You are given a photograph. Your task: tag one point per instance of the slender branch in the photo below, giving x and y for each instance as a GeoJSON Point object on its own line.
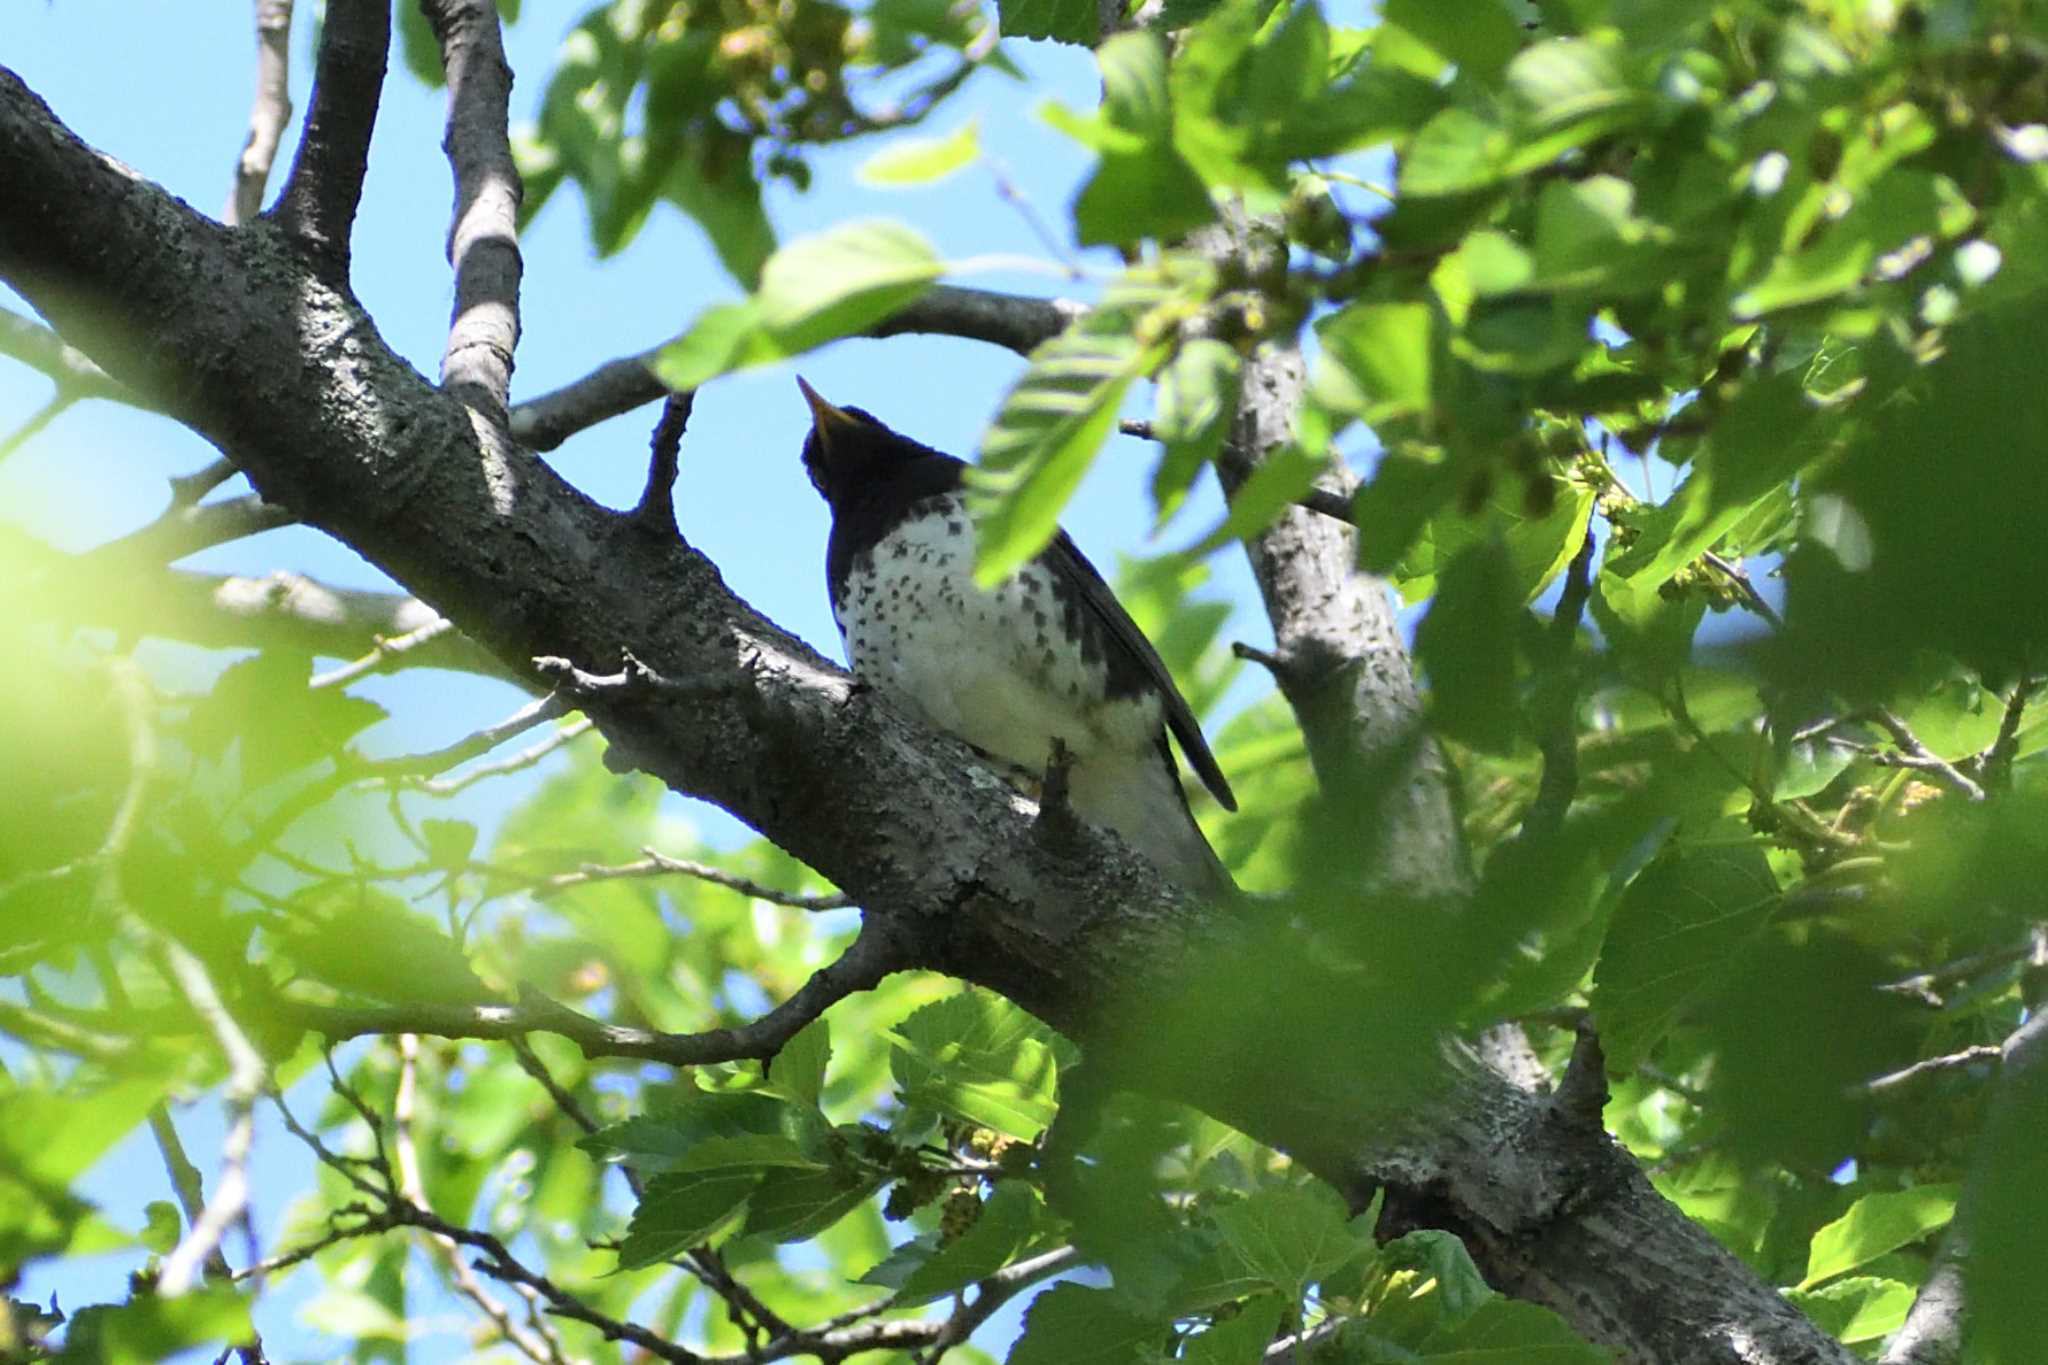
{"type": "Point", "coordinates": [1885, 1085]}
{"type": "Point", "coordinates": [511, 763]}
{"type": "Point", "coordinates": [483, 240]}
{"type": "Point", "coordinates": [1921, 757]}
{"type": "Point", "coordinates": [318, 204]}
{"type": "Point", "coordinates": [541, 1346]}
{"type": "Point", "coordinates": [656, 864]}
{"type": "Point", "coordinates": [1745, 589]}
{"type": "Point", "coordinates": [37, 421]}
{"type": "Point", "coordinates": [69, 368]}
{"type": "Point", "coordinates": [1329, 502]}
{"type": "Point", "coordinates": [619, 386]}
{"type": "Point", "coordinates": [386, 649]}
{"type": "Point", "coordinates": [1994, 765]}
{"type": "Point", "coordinates": [182, 531]}
{"type": "Point", "coordinates": [657, 510]}
{"type": "Point", "coordinates": [871, 956]}
{"type": "Point", "coordinates": [188, 489]}
{"type": "Point", "coordinates": [269, 112]}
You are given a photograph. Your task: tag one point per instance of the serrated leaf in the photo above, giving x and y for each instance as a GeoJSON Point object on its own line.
{"type": "Point", "coordinates": [893, 1270]}
{"type": "Point", "coordinates": [1681, 926]}
{"type": "Point", "coordinates": [1071, 1324]}
{"type": "Point", "coordinates": [922, 160]}
{"type": "Point", "coordinates": [1241, 1339]}
{"type": "Point", "coordinates": [1197, 401]}
{"type": "Point", "coordinates": [682, 1210]}
{"type": "Point", "coordinates": [449, 843]}
{"type": "Point", "coordinates": [979, 1058]}
{"type": "Point", "coordinates": [840, 281]}
{"type": "Point", "coordinates": [148, 1328]}
{"type": "Point", "coordinates": [1056, 418]}
{"type": "Point", "coordinates": [1388, 349]}
{"type": "Point", "coordinates": [664, 1140]}
{"type": "Point", "coordinates": [796, 1205]}
{"type": "Point", "coordinates": [1505, 1331]}
{"type": "Point", "coordinates": [369, 943]}
{"type": "Point", "coordinates": [1063, 21]}
{"type": "Point", "coordinates": [798, 1070]}
{"type": "Point", "coordinates": [1442, 1256]}
{"type": "Point", "coordinates": [1874, 1225]}
{"type": "Point", "coordinates": [163, 1226]}
{"type": "Point", "coordinates": [1288, 1238]}
{"type": "Point", "coordinates": [725, 337]}
{"type": "Point", "coordinates": [1467, 645]}
{"type": "Point", "coordinates": [1007, 1222]}
{"type": "Point", "coordinates": [1859, 1309]}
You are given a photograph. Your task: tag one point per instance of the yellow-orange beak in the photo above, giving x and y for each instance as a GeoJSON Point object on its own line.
{"type": "Point", "coordinates": [825, 418]}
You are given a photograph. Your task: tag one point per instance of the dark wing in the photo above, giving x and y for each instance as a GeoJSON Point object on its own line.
{"type": "Point", "coordinates": [1066, 561]}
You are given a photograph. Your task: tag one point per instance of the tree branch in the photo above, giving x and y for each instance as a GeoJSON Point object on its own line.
{"type": "Point", "coordinates": [483, 239]}
{"type": "Point", "coordinates": [269, 112]}
{"type": "Point", "coordinates": [619, 386]}
{"type": "Point", "coordinates": [182, 531]}
{"type": "Point", "coordinates": [318, 203]}
{"type": "Point", "coordinates": [282, 372]}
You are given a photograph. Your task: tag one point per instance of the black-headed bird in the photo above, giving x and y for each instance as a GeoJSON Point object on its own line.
{"type": "Point", "coordinates": [1047, 655]}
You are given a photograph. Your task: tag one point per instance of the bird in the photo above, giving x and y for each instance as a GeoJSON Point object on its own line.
{"type": "Point", "coordinates": [1048, 655]}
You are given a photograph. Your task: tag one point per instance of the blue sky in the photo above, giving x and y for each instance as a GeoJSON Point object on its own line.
{"type": "Point", "coordinates": [165, 88]}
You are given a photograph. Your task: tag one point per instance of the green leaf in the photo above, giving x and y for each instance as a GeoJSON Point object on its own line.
{"type": "Point", "coordinates": [1681, 926]}
{"type": "Point", "coordinates": [1479, 37]}
{"type": "Point", "coordinates": [1859, 1309]}
{"type": "Point", "coordinates": [1063, 21]}
{"type": "Point", "coordinates": [1388, 349]}
{"type": "Point", "coordinates": [1467, 646]}
{"type": "Point", "coordinates": [841, 281]}
{"type": "Point", "coordinates": [782, 1133]}
{"type": "Point", "coordinates": [713, 181]}
{"type": "Point", "coordinates": [979, 1058]}
{"type": "Point", "coordinates": [1874, 1225]}
{"type": "Point", "coordinates": [725, 337]}
{"type": "Point", "coordinates": [798, 1070]}
{"type": "Point", "coordinates": [797, 1205]}
{"type": "Point", "coordinates": [1070, 1324]}
{"type": "Point", "coordinates": [1240, 1339]}
{"type": "Point", "coordinates": [682, 1210]}
{"type": "Point", "coordinates": [1007, 1223]}
{"type": "Point", "coordinates": [1134, 195]}
{"type": "Point", "coordinates": [1197, 400]}
{"type": "Point", "coordinates": [1505, 1331]}
{"type": "Point", "coordinates": [1456, 152]}
{"type": "Point", "coordinates": [1538, 547]}
{"type": "Point", "coordinates": [1393, 509]}
{"type": "Point", "coordinates": [1443, 1258]}
{"type": "Point", "coordinates": [163, 1228]}
{"type": "Point", "coordinates": [1280, 479]}
{"type": "Point", "coordinates": [450, 843]}
{"type": "Point", "coordinates": [148, 1329]}
{"type": "Point", "coordinates": [1289, 1237]}
{"type": "Point", "coordinates": [922, 160]}
{"type": "Point", "coordinates": [1056, 418]}
{"type": "Point", "coordinates": [369, 943]}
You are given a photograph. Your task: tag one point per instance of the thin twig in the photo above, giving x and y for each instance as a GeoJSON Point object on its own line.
{"type": "Point", "coordinates": [1331, 504]}
{"type": "Point", "coordinates": [512, 763]}
{"type": "Point", "coordinates": [1882, 1086]}
{"type": "Point", "coordinates": [37, 421]}
{"type": "Point", "coordinates": [657, 509]}
{"type": "Point", "coordinates": [656, 864]}
{"type": "Point", "coordinates": [269, 112]}
{"type": "Point", "coordinates": [1923, 758]}
{"type": "Point", "coordinates": [386, 649]}
{"type": "Point", "coordinates": [183, 531]}
{"type": "Point", "coordinates": [1745, 590]}
{"type": "Point", "coordinates": [1994, 765]}
{"type": "Point", "coordinates": [542, 1345]}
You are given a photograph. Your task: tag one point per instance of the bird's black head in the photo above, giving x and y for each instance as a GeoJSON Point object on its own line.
{"type": "Point", "coordinates": [850, 447]}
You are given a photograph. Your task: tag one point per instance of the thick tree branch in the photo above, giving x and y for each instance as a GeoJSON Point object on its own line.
{"type": "Point", "coordinates": [619, 386]}
{"type": "Point", "coordinates": [289, 379]}
{"type": "Point", "coordinates": [483, 240]}
{"type": "Point", "coordinates": [318, 204]}
{"type": "Point", "coordinates": [269, 111]}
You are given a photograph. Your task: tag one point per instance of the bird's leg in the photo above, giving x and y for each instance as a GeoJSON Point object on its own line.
{"type": "Point", "coordinates": [1056, 818]}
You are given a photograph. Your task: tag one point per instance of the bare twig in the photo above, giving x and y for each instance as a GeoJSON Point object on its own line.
{"type": "Point", "coordinates": [512, 763]}
{"type": "Point", "coordinates": [182, 531]}
{"type": "Point", "coordinates": [69, 368]}
{"type": "Point", "coordinates": [1885, 1085]}
{"type": "Point", "coordinates": [188, 489]}
{"type": "Point", "coordinates": [270, 111]}
{"type": "Point", "coordinates": [1994, 765]}
{"type": "Point", "coordinates": [871, 956]}
{"type": "Point", "coordinates": [656, 864]}
{"type": "Point", "coordinates": [657, 510]}
{"type": "Point", "coordinates": [36, 422]}
{"type": "Point", "coordinates": [1745, 590]}
{"type": "Point", "coordinates": [386, 649]}
{"type": "Point", "coordinates": [619, 386]}
{"type": "Point", "coordinates": [1327, 501]}
{"type": "Point", "coordinates": [483, 238]}
{"type": "Point", "coordinates": [541, 1344]}
{"type": "Point", "coordinates": [318, 203]}
{"type": "Point", "coordinates": [1919, 756]}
